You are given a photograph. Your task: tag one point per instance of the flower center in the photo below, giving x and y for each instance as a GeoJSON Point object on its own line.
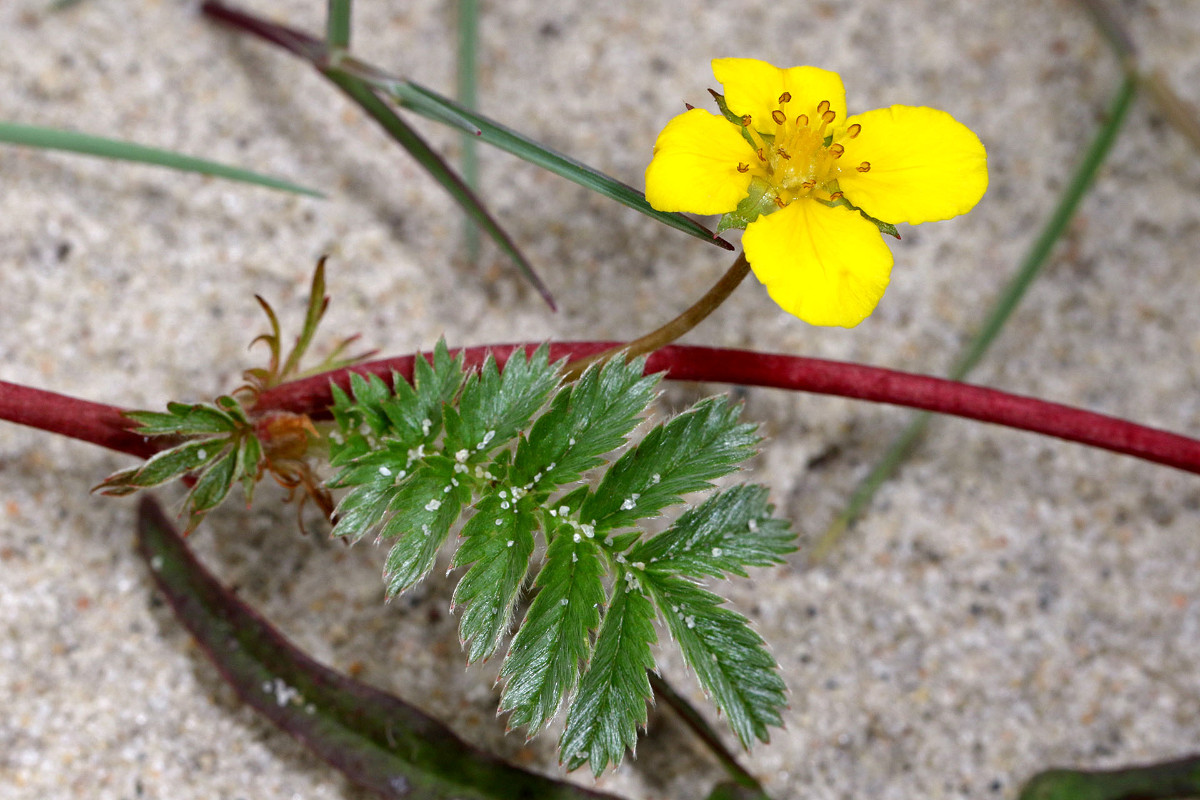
{"type": "Point", "coordinates": [800, 158]}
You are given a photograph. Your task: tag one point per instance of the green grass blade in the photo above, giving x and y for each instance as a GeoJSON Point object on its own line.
{"type": "Point", "coordinates": [337, 25]}
{"type": "Point", "coordinates": [429, 103]}
{"type": "Point", "coordinates": [468, 43]}
{"type": "Point", "coordinates": [1161, 781]}
{"type": "Point", "coordinates": [340, 66]}
{"type": "Point", "coordinates": [1031, 267]}
{"type": "Point", "coordinates": [419, 149]}
{"type": "Point", "coordinates": [54, 139]}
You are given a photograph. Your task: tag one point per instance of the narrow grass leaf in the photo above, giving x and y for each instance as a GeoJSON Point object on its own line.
{"type": "Point", "coordinates": [71, 141]}
{"type": "Point", "coordinates": [1178, 778]}
{"type": "Point", "coordinates": [337, 24]}
{"type": "Point", "coordinates": [429, 103]}
{"type": "Point", "coordinates": [425, 155]}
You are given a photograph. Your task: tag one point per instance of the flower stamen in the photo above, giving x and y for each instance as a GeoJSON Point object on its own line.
{"type": "Point", "coordinates": [864, 166]}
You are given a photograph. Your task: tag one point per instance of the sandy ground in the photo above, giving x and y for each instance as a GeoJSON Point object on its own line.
{"type": "Point", "coordinates": [1011, 602]}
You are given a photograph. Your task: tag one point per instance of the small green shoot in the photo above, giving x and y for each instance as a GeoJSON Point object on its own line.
{"type": "Point", "coordinates": [227, 441]}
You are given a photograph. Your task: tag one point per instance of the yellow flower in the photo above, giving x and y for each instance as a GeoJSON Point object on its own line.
{"type": "Point", "coordinates": [811, 185]}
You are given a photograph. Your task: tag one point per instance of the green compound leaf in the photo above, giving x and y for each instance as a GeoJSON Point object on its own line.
{"type": "Point", "coordinates": [498, 541]}
{"type": "Point", "coordinates": [406, 415]}
{"type": "Point", "coordinates": [682, 456]}
{"type": "Point", "coordinates": [725, 534]}
{"type": "Point", "coordinates": [543, 663]}
{"type": "Point", "coordinates": [592, 417]}
{"type": "Point", "coordinates": [610, 704]}
{"type": "Point", "coordinates": [501, 443]}
{"type": "Point", "coordinates": [729, 658]}
{"type": "Point", "coordinates": [494, 407]}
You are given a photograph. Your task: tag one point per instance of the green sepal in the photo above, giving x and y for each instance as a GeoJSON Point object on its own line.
{"type": "Point", "coordinates": [735, 119]}
{"type": "Point", "coordinates": [723, 107]}
{"type": "Point", "coordinates": [758, 203]}
{"type": "Point", "coordinates": [886, 228]}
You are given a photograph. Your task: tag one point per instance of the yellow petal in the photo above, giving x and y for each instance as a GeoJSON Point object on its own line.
{"type": "Point", "coordinates": [924, 165]}
{"type": "Point", "coordinates": [754, 87]}
{"type": "Point", "coordinates": [827, 266]}
{"type": "Point", "coordinates": [695, 165]}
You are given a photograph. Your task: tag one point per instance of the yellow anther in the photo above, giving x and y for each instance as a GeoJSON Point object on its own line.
{"type": "Point", "coordinates": [835, 196]}
{"type": "Point", "coordinates": [822, 107]}
{"type": "Point", "coordinates": [837, 150]}
{"type": "Point", "coordinates": [778, 116]}
{"type": "Point", "coordinates": [828, 116]}
{"type": "Point", "coordinates": [802, 121]}
{"type": "Point", "coordinates": [743, 167]}
{"type": "Point", "coordinates": [779, 202]}
{"type": "Point", "coordinates": [864, 166]}
{"type": "Point", "coordinates": [745, 120]}
{"type": "Point", "coordinates": [761, 156]}
{"type": "Point", "coordinates": [782, 153]}
{"type": "Point", "coordinates": [853, 130]}
{"type": "Point", "coordinates": [786, 97]}
{"type": "Point", "coordinates": [809, 184]}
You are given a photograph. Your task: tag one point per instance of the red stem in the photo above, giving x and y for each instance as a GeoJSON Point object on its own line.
{"type": "Point", "coordinates": [102, 425]}
{"type": "Point", "coordinates": [80, 419]}
{"type": "Point", "coordinates": [720, 365]}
